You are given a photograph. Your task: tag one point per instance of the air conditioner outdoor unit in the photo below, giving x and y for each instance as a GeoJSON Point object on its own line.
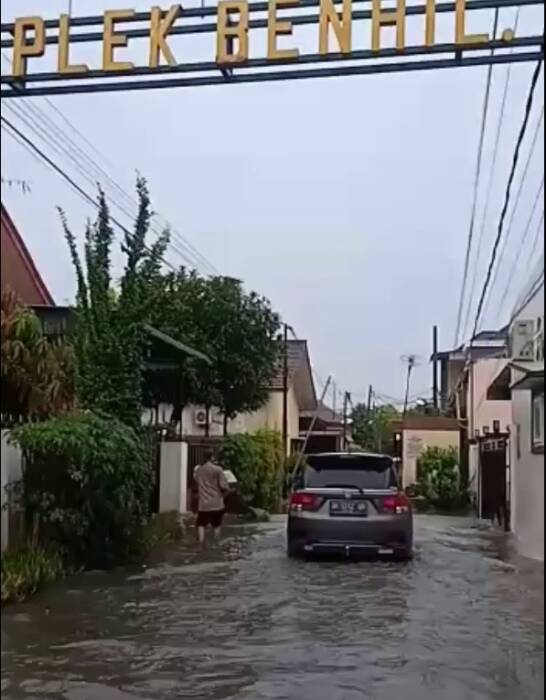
{"type": "Point", "coordinates": [200, 416]}
{"type": "Point", "coordinates": [523, 340]}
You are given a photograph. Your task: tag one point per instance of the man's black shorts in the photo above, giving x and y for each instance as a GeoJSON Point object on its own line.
{"type": "Point", "coordinates": [214, 518]}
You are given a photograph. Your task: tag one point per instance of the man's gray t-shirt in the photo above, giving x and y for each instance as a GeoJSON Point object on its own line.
{"type": "Point", "coordinates": [211, 486]}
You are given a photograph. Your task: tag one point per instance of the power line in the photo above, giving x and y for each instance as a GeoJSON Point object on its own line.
{"type": "Point", "coordinates": [534, 142]}
{"type": "Point", "coordinates": [75, 153]}
{"type": "Point", "coordinates": [477, 178]}
{"type": "Point", "coordinates": [536, 241]}
{"type": "Point", "coordinates": [491, 180]}
{"type": "Point", "coordinates": [515, 160]}
{"type": "Point", "coordinates": [75, 156]}
{"type": "Point", "coordinates": [87, 197]}
{"type": "Point", "coordinates": [524, 239]}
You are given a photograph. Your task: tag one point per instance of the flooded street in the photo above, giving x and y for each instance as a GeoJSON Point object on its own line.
{"type": "Point", "coordinates": [463, 621]}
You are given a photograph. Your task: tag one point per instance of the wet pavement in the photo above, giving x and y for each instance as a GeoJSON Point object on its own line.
{"type": "Point", "coordinates": [463, 621]}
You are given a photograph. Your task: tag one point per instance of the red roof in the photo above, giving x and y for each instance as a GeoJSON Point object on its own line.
{"type": "Point", "coordinates": [18, 270]}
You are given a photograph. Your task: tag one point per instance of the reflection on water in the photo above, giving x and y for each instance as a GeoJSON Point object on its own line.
{"type": "Point", "coordinates": [464, 621]}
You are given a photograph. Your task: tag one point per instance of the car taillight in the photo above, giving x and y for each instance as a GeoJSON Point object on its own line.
{"type": "Point", "coordinates": [305, 501]}
{"type": "Point", "coordinates": [398, 504]}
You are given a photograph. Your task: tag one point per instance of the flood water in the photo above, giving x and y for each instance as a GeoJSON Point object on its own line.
{"type": "Point", "coordinates": [463, 621]}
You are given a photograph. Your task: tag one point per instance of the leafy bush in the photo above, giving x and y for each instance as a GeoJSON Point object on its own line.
{"type": "Point", "coordinates": [87, 481]}
{"type": "Point", "coordinates": [37, 374]}
{"type": "Point", "coordinates": [239, 454]}
{"type": "Point", "coordinates": [27, 570]}
{"type": "Point", "coordinates": [439, 480]}
{"type": "Point", "coordinates": [257, 462]}
{"type": "Point", "coordinates": [270, 470]}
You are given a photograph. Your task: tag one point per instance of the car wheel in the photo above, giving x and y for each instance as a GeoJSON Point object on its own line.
{"type": "Point", "coordinates": [293, 551]}
{"type": "Point", "coordinates": [405, 554]}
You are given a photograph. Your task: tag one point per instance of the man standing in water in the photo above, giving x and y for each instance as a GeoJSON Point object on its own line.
{"type": "Point", "coordinates": [212, 485]}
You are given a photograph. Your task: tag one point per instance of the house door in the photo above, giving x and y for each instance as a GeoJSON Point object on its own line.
{"type": "Point", "coordinates": [494, 479]}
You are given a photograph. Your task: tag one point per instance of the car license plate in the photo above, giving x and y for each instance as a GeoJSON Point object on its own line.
{"type": "Point", "coordinates": [349, 508]}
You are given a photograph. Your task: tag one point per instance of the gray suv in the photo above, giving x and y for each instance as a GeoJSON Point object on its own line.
{"type": "Point", "coordinates": [349, 503]}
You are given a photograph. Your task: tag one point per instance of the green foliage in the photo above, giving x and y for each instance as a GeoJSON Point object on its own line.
{"type": "Point", "coordinates": [37, 374]}
{"type": "Point", "coordinates": [87, 481]}
{"type": "Point", "coordinates": [239, 454]}
{"type": "Point", "coordinates": [439, 482]}
{"type": "Point", "coordinates": [271, 470]}
{"type": "Point", "coordinates": [26, 571]}
{"type": "Point", "coordinates": [237, 330]}
{"type": "Point", "coordinates": [109, 337]}
{"type": "Point", "coordinates": [257, 462]}
{"type": "Point", "coordinates": [372, 430]}
{"type": "Point", "coordinates": [160, 529]}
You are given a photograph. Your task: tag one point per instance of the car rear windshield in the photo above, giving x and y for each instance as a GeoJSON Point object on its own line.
{"type": "Point", "coordinates": [346, 471]}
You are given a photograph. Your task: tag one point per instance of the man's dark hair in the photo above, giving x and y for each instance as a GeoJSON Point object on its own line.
{"type": "Point", "coordinates": [208, 455]}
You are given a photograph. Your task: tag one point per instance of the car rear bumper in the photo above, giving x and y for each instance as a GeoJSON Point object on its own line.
{"type": "Point", "coordinates": [390, 535]}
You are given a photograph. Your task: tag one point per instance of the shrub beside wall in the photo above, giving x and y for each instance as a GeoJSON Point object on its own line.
{"type": "Point", "coordinates": [86, 481]}
{"type": "Point", "coordinates": [257, 461]}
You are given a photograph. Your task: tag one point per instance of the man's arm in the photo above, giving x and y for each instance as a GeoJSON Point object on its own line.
{"type": "Point", "coordinates": [223, 482]}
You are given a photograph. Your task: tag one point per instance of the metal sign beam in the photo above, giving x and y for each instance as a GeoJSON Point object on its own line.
{"type": "Point", "coordinates": [478, 51]}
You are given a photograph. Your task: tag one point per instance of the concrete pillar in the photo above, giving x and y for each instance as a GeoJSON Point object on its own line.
{"type": "Point", "coordinates": [173, 477]}
{"type": "Point", "coordinates": [11, 466]}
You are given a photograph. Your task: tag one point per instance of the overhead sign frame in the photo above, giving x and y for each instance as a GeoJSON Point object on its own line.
{"type": "Point", "coordinates": [29, 38]}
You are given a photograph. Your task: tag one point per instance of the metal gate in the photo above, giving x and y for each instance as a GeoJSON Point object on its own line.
{"type": "Point", "coordinates": [494, 492]}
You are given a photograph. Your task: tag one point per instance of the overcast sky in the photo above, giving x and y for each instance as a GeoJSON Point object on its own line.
{"type": "Point", "coordinates": [346, 201]}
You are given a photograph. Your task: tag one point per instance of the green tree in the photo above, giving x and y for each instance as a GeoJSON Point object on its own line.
{"type": "Point", "coordinates": [372, 430]}
{"type": "Point", "coordinates": [37, 374]}
{"type": "Point", "coordinates": [109, 334]}
{"type": "Point", "coordinates": [239, 332]}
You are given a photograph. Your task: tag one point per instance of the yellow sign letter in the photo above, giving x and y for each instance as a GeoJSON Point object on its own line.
{"type": "Point", "coordinates": [23, 47]}
{"type": "Point", "coordinates": [342, 29]}
{"type": "Point", "coordinates": [389, 18]}
{"type": "Point", "coordinates": [159, 28]}
{"type": "Point", "coordinates": [111, 40]}
{"type": "Point", "coordinates": [227, 32]}
{"type": "Point", "coordinates": [430, 24]}
{"type": "Point", "coordinates": [63, 62]}
{"type": "Point", "coordinates": [460, 27]}
{"type": "Point", "coordinates": [276, 28]}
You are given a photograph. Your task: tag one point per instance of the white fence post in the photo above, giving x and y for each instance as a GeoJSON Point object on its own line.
{"type": "Point", "coordinates": [173, 477]}
{"type": "Point", "coordinates": [12, 472]}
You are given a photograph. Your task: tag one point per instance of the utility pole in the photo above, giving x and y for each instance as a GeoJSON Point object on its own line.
{"type": "Point", "coordinates": [346, 399]}
{"type": "Point", "coordinates": [370, 399]}
{"type": "Point", "coordinates": [435, 397]}
{"type": "Point", "coordinates": [285, 390]}
{"type": "Point", "coordinates": [412, 363]}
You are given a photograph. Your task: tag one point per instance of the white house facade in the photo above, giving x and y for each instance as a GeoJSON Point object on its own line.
{"type": "Point", "coordinates": [527, 444]}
